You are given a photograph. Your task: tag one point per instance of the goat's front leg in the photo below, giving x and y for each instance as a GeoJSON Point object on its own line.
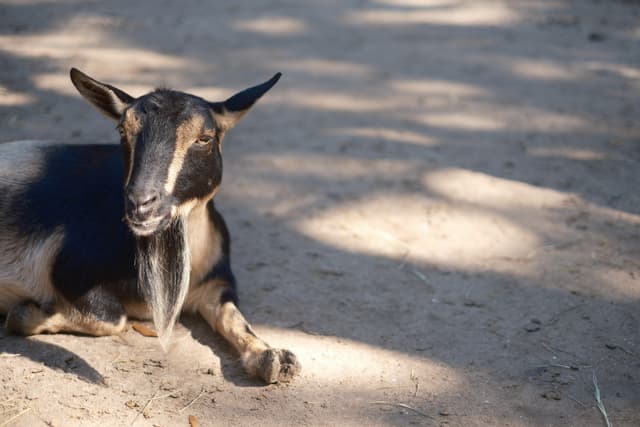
{"type": "Point", "coordinates": [258, 358]}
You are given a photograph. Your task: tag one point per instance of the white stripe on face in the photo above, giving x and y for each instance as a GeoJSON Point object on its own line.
{"type": "Point", "coordinates": [186, 133]}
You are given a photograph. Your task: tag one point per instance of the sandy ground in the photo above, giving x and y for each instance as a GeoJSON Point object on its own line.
{"type": "Point", "coordinates": [436, 209]}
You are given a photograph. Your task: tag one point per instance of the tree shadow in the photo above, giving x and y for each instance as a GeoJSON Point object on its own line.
{"type": "Point", "coordinates": [439, 97]}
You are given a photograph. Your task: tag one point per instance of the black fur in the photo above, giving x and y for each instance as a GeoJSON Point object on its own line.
{"type": "Point", "coordinates": [80, 191]}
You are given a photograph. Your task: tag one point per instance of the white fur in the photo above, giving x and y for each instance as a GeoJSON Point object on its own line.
{"type": "Point", "coordinates": [25, 269]}
{"type": "Point", "coordinates": [25, 261]}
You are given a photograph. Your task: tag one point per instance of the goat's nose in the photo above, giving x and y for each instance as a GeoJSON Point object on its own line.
{"type": "Point", "coordinates": [143, 201]}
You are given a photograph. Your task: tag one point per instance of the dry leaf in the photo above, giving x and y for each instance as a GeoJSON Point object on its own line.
{"type": "Point", "coordinates": [193, 421]}
{"type": "Point", "coordinates": [143, 330]}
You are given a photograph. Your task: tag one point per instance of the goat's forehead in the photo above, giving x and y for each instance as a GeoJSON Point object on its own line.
{"type": "Point", "coordinates": [165, 107]}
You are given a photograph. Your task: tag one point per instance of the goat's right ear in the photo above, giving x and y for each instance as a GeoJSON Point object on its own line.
{"type": "Point", "coordinates": [109, 100]}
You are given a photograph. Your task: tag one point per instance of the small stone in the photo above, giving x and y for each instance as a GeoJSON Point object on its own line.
{"type": "Point", "coordinates": [444, 412]}
{"type": "Point", "coordinates": [132, 404]}
{"type": "Point", "coordinates": [551, 395]}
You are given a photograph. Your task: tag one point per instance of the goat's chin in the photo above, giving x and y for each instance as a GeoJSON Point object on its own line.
{"type": "Point", "coordinates": [149, 227]}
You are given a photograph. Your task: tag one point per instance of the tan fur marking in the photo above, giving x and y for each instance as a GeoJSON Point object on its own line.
{"type": "Point", "coordinates": [204, 296]}
{"type": "Point", "coordinates": [258, 358]}
{"type": "Point", "coordinates": [204, 242]}
{"type": "Point", "coordinates": [187, 132]}
{"type": "Point", "coordinates": [132, 125]}
{"type": "Point", "coordinates": [228, 321]}
{"type": "Point", "coordinates": [231, 324]}
{"type": "Point", "coordinates": [31, 320]}
{"type": "Point", "coordinates": [137, 310]}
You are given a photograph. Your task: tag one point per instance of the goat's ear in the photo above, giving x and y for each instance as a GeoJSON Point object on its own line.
{"type": "Point", "coordinates": [109, 100]}
{"type": "Point", "coordinates": [228, 113]}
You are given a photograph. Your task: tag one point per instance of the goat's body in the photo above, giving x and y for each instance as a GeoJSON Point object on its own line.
{"type": "Point", "coordinates": [63, 204]}
{"type": "Point", "coordinates": [93, 234]}
{"type": "Point", "coordinates": [62, 237]}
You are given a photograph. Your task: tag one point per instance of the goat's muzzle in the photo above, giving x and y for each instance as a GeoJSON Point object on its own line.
{"type": "Point", "coordinates": [146, 211]}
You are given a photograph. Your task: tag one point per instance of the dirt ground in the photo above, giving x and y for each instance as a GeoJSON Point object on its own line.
{"type": "Point", "coordinates": [436, 209]}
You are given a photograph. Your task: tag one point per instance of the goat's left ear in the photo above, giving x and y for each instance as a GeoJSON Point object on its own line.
{"type": "Point", "coordinates": [228, 113]}
{"type": "Point", "coordinates": [110, 100]}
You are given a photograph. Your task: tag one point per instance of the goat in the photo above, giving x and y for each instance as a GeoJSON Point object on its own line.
{"type": "Point", "coordinates": [69, 262]}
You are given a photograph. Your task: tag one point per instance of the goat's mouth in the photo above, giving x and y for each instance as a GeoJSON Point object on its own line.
{"type": "Point", "coordinates": [149, 226]}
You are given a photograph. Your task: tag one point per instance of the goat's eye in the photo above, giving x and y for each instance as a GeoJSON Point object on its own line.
{"type": "Point", "coordinates": [204, 140]}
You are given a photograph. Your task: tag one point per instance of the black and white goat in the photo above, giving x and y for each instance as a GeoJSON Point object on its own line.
{"type": "Point", "coordinates": [70, 263]}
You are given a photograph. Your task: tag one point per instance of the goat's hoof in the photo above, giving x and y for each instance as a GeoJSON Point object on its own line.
{"type": "Point", "coordinates": [276, 365]}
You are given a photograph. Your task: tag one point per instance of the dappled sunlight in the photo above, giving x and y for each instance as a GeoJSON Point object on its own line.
{"type": "Point", "coordinates": [438, 88]}
{"type": "Point", "coordinates": [462, 121]}
{"type": "Point", "coordinates": [419, 3]}
{"type": "Point", "coordinates": [84, 39]}
{"type": "Point", "coordinates": [488, 191]}
{"type": "Point", "coordinates": [422, 229]}
{"type": "Point", "coordinates": [622, 70]}
{"type": "Point", "coordinates": [386, 134]}
{"type": "Point", "coordinates": [460, 14]}
{"type": "Point", "coordinates": [272, 26]}
{"type": "Point", "coordinates": [59, 83]}
{"type": "Point", "coordinates": [568, 153]}
{"type": "Point", "coordinates": [323, 67]}
{"type": "Point", "coordinates": [502, 118]}
{"type": "Point", "coordinates": [10, 98]}
{"type": "Point", "coordinates": [434, 207]}
{"type": "Point", "coordinates": [44, 2]}
{"type": "Point", "coordinates": [332, 362]}
{"type": "Point", "coordinates": [542, 70]}
{"type": "Point", "coordinates": [326, 100]}
{"type": "Point", "coordinates": [326, 166]}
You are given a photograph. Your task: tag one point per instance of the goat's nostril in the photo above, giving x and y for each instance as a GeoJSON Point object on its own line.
{"type": "Point", "coordinates": [147, 199]}
{"type": "Point", "coordinates": [143, 201]}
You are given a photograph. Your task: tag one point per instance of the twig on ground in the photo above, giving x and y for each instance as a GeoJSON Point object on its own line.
{"type": "Point", "coordinates": [557, 365]}
{"type": "Point", "coordinates": [601, 407]}
{"type": "Point", "coordinates": [576, 400]}
{"type": "Point", "coordinates": [576, 358]}
{"type": "Point", "coordinates": [556, 317]}
{"type": "Point", "coordinates": [403, 259]}
{"type": "Point", "coordinates": [420, 275]}
{"type": "Point", "coordinates": [15, 417]}
{"type": "Point", "coordinates": [402, 405]}
{"type": "Point", "coordinates": [416, 382]}
{"type": "Point", "coordinates": [144, 408]}
{"type": "Point", "coordinates": [550, 350]}
{"type": "Point", "coordinates": [4, 402]}
{"type": "Point", "coordinates": [192, 401]}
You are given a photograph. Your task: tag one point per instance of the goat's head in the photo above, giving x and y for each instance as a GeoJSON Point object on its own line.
{"type": "Point", "coordinates": [171, 145]}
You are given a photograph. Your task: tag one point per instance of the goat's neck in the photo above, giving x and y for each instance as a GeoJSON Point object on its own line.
{"type": "Point", "coordinates": [203, 242]}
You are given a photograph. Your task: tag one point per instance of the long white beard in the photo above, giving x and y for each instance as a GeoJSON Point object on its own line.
{"type": "Point", "coordinates": [164, 268]}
